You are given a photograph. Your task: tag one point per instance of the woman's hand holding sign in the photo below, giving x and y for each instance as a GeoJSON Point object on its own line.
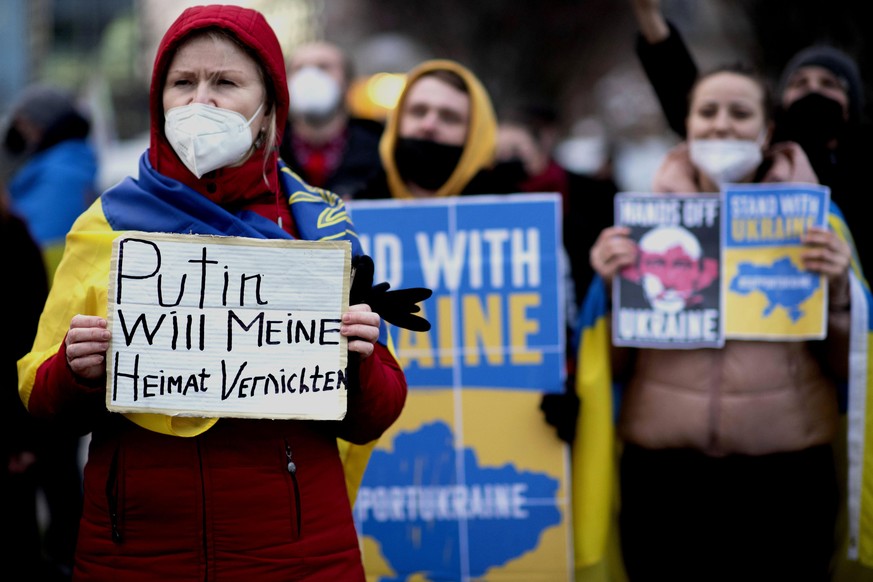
{"type": "Point", "coordinates": [86, 343]}
{"type": "Point", "coordinates": [828, 254]}
{"type": "Point", "coordinates": [361, 326]}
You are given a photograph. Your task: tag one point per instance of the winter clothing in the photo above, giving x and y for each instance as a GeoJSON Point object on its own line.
{"type": "Point", "coordinates": [726, 420]}
{"type": "Point", "coordinates": [54, 180]}
{"type": "Point", "coordinates": [20, 432]}
{"type": "Point", "coordinates": [671, 70]}
{"type": "Point", "coordinates": [472, 174]}
{"type": "Point", "coordinates": [69, 167]}
{"type": "Point", "coordinates": [53, 169]}
{"type": "Point", "coordinates": [355, 162]}
{"type": "Point", "coordinates": [191, 498]}
{"type": "Point", "coordinates": [741, 399]}
{"type": "Point", "coordinates": [838, 63]}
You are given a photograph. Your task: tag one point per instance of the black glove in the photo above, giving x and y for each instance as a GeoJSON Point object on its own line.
{"type": "Point", "coordinates": [562, 411]}
{"type": "Point", "coordinates": [396, 307]}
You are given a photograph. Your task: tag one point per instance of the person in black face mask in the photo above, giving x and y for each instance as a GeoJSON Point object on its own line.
{"type": "Point", "coordinates": [441, 139]}
{"type": "Point", "coordinates": [820, 100]}
{"type": "Point", "coordinates": [820, 109]}
{"type": "Point", "coordinates": [814, 121]}
{"type": "Point", "coordinates": [426, 163]}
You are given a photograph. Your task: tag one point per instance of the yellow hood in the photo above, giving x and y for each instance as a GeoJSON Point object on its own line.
{"type": "Point", "coordinates": [479, 149]}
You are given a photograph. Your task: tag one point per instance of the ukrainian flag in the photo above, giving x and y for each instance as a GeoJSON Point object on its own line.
{"type": "Point", "coordinates": [595, 452]}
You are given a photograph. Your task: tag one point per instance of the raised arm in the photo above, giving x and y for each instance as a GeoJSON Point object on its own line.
{"type": "Point", "coordinates": [665, 59]}
{"type": "Point", "coordinates": [650, 20]}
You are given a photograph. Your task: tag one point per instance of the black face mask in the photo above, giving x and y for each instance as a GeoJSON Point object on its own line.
{"type": "Point", "coordinates": [812, 121]}
{"type": "Point", "coordinates": [426, 163]}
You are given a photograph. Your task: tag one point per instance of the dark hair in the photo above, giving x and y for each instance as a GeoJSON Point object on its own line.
{"type": "Point", "coordinates": [744, 70]}
{"type": "Point", "coordinates": [448, 77]}
{"type": "Point", "coordinates": [537, 117]}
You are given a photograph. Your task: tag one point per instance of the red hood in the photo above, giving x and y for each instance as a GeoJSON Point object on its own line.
{"type": "Point", "coordinates": [228, 185]}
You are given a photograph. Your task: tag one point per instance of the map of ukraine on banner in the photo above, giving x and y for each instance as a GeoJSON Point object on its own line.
{"type": "Point", "coordinates": [470, 482]}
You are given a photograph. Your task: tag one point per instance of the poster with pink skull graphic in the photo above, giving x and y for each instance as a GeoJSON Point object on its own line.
{"type": "Point", "coordinates": [670, 297]}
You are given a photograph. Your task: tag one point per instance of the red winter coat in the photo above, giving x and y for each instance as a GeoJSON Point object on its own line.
{"type": "Point", "coordinates": [250, 500]}
{"type": "Point", "coordinates": [223, 506]}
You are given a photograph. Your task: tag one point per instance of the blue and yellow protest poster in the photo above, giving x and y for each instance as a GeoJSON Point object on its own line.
{"type": "Point", "coordinates": [470, 482]}
{"type": "Point", "coordinates": [768, 294]}
{"type": "Point", "coordinates": [671, 297]}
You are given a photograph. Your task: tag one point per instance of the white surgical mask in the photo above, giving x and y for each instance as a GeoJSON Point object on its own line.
{"type": "Point", "coordinates": [726, 160]}
{"type": "Point", "coordinates": [207, 138]}
{"type": "Point", "coordinates": [313, 93]}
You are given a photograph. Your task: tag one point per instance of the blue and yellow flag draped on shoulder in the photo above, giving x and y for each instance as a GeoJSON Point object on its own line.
{"type": "Point", "coordinates": [155, 203]}
{"type": "Point", "coordinates": [859, 408]}
{"type": "Point", "coordinates": [595, 499]}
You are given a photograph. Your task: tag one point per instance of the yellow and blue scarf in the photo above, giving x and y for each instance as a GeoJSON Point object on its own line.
{"type": "Point", "coordinates": [156, 203]}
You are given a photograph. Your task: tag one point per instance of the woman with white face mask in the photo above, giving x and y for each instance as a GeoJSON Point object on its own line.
{"type": "Point", "coordinates": [172, 498]}
{"type": "Point", "coordinates": [727, 471]}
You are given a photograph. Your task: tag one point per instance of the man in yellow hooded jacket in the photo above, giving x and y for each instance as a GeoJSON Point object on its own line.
{"type": "Point", "coordinates": [441, 139]}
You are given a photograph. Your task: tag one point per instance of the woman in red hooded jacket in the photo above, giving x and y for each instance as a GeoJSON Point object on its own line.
{"type": "Point", "coordinates": [170, 498]}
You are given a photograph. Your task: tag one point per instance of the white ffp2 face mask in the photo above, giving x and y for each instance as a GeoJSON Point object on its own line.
{"type": "Point", "coordinates": [313, 92]}
{"type": "Point", "coordinates": [207, 138]}
{"type": "Point", "coordinates": [726, 160]}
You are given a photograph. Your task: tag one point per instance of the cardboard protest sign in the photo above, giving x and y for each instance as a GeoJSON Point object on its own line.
{"type": "Point", "coordinates": [227, 327]}
{"type": "Point", "coordinates": [768, 293]}
{"type": "Point", "coordinates": [671, 297]}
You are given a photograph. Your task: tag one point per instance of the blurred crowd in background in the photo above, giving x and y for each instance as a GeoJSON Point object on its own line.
{"type": "Point", "coordinates": [570, 60]}
{"type": "Point", "coordinates": [576, 111]}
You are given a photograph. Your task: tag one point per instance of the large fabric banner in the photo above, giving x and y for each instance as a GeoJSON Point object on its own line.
{"type": "Point", "coordinates": [470, 482]}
